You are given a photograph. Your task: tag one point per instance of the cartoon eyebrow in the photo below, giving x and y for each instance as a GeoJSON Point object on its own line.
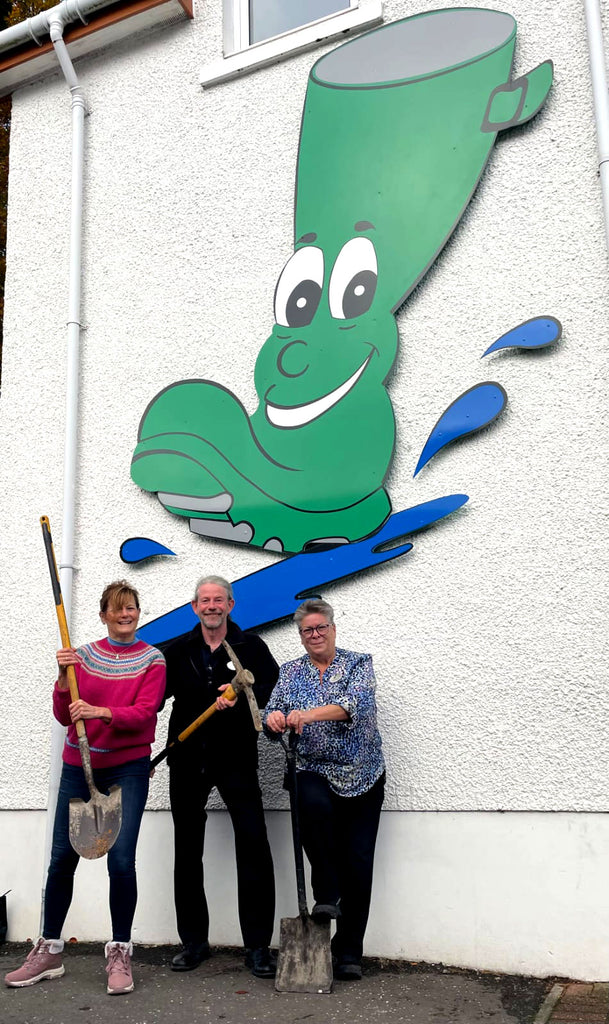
{"type": "Point", "coordinates": [363, 225]}
{"type": "Point", "coordinates": [311, 237]}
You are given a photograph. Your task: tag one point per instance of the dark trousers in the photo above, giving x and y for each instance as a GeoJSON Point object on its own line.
{"type": "Point", "coordinates": [238, 786]}
{"type": "Point", "coordinates": [339, 837]}
{"type": "Point", "coordinates": [133, 778]}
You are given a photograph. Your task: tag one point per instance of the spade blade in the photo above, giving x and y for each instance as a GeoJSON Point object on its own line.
{"type": "Point", "coordinates": [304, 963]}
{"type": "Point", "coordinates": [95, 823]}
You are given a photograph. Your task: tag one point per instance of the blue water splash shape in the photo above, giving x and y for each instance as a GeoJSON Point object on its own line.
{"type": "Point", "coordinates": [138, 549]}
{"type": "Point", "coordinates": [472, 411]}
{"type": "Point", "coordinates": [276, 591]}
{"type": "Point", "coordinates": [535, 333]}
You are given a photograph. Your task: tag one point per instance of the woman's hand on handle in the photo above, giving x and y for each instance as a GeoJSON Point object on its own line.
{"type": "Point", "coordinates": [79, 709]}
{"type": "Point", "coordinates": [65, 656]}
{"type": "Point", "coordinates": [276, 722]}
{"type": "Point", "coordinates": [297, 719]}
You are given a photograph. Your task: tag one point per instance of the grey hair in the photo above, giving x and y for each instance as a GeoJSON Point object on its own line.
{"type": "Point", "coordinates": [314, 606]}
{"type": "Point", "coordinates": [219, 581]}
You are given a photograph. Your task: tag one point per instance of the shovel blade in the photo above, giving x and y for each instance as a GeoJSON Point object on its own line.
{"type": "Point", "coordinates": [304, 963]}
{"type": "Point", "coordinates": [96, 823]}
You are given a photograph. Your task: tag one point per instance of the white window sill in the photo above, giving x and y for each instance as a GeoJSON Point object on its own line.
{"type": "Point", "coordinates": [369, 12]}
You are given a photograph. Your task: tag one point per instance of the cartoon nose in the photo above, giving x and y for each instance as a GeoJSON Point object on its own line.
{"type": "Point", "coordinates": [290, 360]}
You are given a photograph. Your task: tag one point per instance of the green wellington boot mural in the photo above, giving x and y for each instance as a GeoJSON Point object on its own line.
{"type": "Point", "coordinates": [397, 127]}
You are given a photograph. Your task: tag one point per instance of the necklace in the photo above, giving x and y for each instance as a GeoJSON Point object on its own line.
{"type": "Point", "coordinates": [117, 645]}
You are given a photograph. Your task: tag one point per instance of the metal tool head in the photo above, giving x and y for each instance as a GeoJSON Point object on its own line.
{"type": "Point", "coordinates": [95, 824]}
{"type": "Point", "coordinates": [304, 962]}
{"type": "Point", "coordinates": [243, 682]}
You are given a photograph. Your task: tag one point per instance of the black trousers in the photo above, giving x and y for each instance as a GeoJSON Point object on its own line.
{"type": "Point", "coordinates": [339, 837]}
{"type": "Point", "coordinates": [189, 790]}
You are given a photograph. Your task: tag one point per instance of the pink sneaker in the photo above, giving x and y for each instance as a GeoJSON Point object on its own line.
{"type": "Point", "coordinates": [118, 968]}
{"type": "Point", "coordinates": [40, 963]}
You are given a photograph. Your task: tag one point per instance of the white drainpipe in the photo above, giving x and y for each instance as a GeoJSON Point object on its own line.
{"type": "Point", "coordinates": [600, 97]}
{"type": "Point", "coordinates": [71, 436]}
{"type": "Point", "coordinates": [56, 21]}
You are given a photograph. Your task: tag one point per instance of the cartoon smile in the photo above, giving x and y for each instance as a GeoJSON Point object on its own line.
{"type": "Point", "coordinates": [299, 415]}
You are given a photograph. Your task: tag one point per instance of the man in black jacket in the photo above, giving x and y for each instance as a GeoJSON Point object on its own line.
{"type": "Point", "coordinates": [223, 753]}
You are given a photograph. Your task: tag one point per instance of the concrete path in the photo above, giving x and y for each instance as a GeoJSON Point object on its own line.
{"type": "Point", "coordinates": [222, 991]}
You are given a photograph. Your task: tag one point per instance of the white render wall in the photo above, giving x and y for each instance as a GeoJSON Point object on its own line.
{"type": "Point", "coordinates": [489, 637]}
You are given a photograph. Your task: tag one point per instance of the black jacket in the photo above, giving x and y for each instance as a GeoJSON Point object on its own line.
{"type": "Point", "coordinates": [193, 677]}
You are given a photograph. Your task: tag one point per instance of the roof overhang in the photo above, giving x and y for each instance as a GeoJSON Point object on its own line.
{"type": "Point", "coordinates": [30, 61]}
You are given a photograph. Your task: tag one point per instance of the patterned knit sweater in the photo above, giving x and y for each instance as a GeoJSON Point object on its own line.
{"type": "Point", "coordinates": [130, 681]}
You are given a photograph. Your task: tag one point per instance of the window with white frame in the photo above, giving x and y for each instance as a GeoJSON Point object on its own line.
{"type": "Point", "coordinates": [256, 20]}
{"type": "Point", "coordinates": [260, 32]}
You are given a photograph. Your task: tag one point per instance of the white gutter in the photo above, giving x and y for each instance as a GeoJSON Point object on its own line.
{"type": "Point", "coordinates": [39, 27]}
{"type": "Point", "coordinates": [600, 97]}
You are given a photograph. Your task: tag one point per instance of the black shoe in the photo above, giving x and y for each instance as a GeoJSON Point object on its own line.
{"type": "Point", "coordinates": [324, 912]}
{"type": "Point", "coordinates": [346, 970]}
{"type": "Point", "coordinates": [192, 954]}
{"type": "Point", "coordinates": [261, 962]}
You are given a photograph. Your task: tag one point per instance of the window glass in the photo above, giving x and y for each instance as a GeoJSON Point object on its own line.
{"type": "Point", "coordinates": [272, 17]}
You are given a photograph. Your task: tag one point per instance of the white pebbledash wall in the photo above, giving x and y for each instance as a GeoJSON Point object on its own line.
{"type": "Point", "coordinates": [489, 638]}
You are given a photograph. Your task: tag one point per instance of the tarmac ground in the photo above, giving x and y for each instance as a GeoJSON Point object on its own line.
{"type": "Point", "coordinates": [222, 991]}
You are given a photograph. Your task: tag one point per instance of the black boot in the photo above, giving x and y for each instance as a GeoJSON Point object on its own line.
{"type": "Point", "coordinates": [261, 962]}
{"type": "Point", "coordinates": [191, 955]}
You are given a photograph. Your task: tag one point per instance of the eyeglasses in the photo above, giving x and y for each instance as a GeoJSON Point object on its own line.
{"type": "Point", "coordinates": [311, 630]}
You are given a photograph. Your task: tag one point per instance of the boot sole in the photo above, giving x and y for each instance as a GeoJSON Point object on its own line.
{"type": "Point", "coordinates": [56, 972]}
{"type": "Point", "coordinates": [120, 991]}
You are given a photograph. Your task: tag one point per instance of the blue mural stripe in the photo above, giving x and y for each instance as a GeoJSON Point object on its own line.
{"type": "Point", "coordinates": [138, 549]}
{"type": "Point", "coordinates": [276, 591]}
{"type": "Point", "coordinates": [535, 333]}
{"type": "Point", "coordinates": [470, 412]}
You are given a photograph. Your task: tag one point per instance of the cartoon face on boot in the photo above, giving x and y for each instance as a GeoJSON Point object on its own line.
{"type": "Point", "coordinates": [331, 347]}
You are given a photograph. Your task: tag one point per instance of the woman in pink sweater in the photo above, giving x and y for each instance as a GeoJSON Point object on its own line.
{"type": "Point", "coordinates": [121, 682]}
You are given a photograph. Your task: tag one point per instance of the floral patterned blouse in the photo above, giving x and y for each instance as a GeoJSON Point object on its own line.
{"type": "Point", "coordinates": [348, 754]}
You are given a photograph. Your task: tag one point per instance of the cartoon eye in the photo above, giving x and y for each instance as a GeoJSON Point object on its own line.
{"type": "Point", "coordinates": [353, 279]}
{"type": "Point", "coordinates": [299, 287]}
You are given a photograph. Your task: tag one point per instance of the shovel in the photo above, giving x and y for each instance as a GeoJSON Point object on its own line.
{"type": "Point", "coordinates": [94, 826]}
{"type": "Point", "coordinates": [304, 962]}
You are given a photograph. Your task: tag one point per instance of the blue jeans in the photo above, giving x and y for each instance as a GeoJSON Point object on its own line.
{"type": "Point", "coordinates": [133, 778]}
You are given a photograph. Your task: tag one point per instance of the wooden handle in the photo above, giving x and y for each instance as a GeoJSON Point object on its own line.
{"type": "Point", "coordinates": [61, 614]}
{"type": "Point", "coordinates": [229, 693]}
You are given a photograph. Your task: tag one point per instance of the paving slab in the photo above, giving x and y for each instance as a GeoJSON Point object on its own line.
{"type": "Point", "coordinates": [222, 991]}
{"type": "Point", "coordinates": [573, 1002]}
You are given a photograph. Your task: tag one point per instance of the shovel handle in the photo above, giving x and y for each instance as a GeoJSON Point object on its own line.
{"type": "Point", "coordinates": [65, 639]}
{"type": "Point", "coordinates": [229, 693]}
{"type": "Point", "coordinates": [290, 750]}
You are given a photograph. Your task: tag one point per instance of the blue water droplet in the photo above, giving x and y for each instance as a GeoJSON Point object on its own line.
{"type": "Point", "coordinates": [138, 549]}
{"type": "Point", "coordinates": [535, 333]}
{"type": "Point", "coordinates": [470, 412]}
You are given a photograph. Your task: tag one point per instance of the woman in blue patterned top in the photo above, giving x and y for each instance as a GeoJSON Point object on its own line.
{"type": "Point", "coordinates": [327, 697]}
